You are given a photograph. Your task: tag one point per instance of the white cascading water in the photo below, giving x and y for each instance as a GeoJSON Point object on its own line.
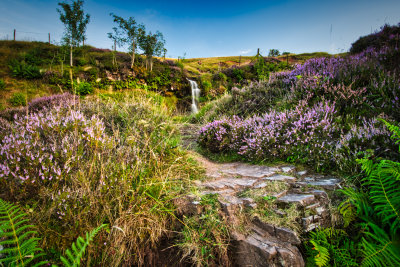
{"type": "Point", "coordinates": [195, 95]}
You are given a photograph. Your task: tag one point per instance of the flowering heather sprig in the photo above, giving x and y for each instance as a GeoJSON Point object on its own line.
{"type": "Point", "coordinates": [47, 145]}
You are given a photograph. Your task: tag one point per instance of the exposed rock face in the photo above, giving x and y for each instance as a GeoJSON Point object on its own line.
{"type": "Point", "coordinates": [265, 243]}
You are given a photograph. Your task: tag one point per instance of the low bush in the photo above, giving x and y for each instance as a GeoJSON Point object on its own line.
{"type": "Point", "coordinates": [17, 99]}
{"type": "Point", "coordinates": [84, 88]}
{"type": "Point", "coordinates": [2, 84]}
{"type": "Point", "coordinates": [20, 69]}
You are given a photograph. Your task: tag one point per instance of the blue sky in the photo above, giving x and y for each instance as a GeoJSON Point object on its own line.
{"type": "Point", "coordinates": [206, 28]}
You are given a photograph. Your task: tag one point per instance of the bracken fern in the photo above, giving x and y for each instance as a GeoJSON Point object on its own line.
{"type": "Point", "coordinates": [18, 238]}
{"type": "Point", "coordinates": [78, 248]}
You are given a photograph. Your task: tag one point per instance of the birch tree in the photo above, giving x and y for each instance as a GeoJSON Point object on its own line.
{"type": "Point", "coordinates": [127, 33]}
{"type": "Point", "coordinates": [75, 21]}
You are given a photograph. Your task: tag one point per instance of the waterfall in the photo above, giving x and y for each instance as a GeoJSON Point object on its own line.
{"type": "Point", "coordinates": [195, 95]}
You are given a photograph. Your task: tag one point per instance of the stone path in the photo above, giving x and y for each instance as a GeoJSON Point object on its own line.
{"type": "Point", "coordinates": [296, 202]}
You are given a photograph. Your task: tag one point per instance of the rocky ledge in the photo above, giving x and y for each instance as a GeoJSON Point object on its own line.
{"type": "Point", "coordinates": [276, 205]}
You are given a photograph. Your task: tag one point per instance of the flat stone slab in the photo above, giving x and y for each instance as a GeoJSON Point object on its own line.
{"type": "Point", "coordinates": [299, 199]}
{"type": "Point", "coordinates": [326, 183]}
{"type": "Point", "coordinates": [280, 177]}
{"type": "Point", "coordinates": [251, 171]}
{"type": "Point", "coordinates": [233, 183]}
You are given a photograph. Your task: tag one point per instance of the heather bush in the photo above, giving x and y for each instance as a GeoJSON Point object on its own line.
{"type": "Point", "coordinates": [47, 102]}
{"type": "Point", "coordinates": [388, 35]}
{"type": "Point", "coordinates": [309, 135]}
{"type": "Point", "coordinates": [112, 161]}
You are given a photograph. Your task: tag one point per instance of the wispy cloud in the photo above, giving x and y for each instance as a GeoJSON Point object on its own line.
{"type": "Point", "coordinates": [245, 52]}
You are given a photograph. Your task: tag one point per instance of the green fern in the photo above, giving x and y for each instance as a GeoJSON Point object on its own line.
{"type": "Point", "coordinates": [78, 248]}
{"type": "Point", "coordinates": [379, 249]}
{"type": "Point", "coordinates": [348, 212]}
{"type": "Point", "coordinates": [322, 258]}
{"type": "Point", "coordinates": [17, 238]}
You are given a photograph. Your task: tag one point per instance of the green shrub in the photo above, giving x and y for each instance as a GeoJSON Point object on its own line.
{"type": "Point", "coordinates": [18, 99]}
{"type": "Point", "coordinates": [2, 84]}
{"type": "Point", "coordinates": [84, 88]}
{"type": "Point", "coordinates": [20, 69]}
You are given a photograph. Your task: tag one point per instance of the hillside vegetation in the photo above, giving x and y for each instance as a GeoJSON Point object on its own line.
{"type": "Point", "coordinates": [102, 156]}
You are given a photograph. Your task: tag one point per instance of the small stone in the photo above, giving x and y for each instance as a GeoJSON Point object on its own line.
{"type": "Point", "coordinates": [301, 173]}
{"type": "Point", "coordinates": [320, 211]}
{"type": "Point", "coordinates": [311, 227]}
{"type": "Point", "coordinates": [307, 220]}
{"type": "Point", "coordinates": [287, 169]}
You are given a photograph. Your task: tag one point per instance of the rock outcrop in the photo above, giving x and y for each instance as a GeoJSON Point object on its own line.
{"type": "Point", "coordinates": [283, 189]}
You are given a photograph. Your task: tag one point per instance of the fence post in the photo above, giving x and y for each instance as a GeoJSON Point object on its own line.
{"type": "Point", "coordinates": [49, 38]}
{"type": "Point", "coordinates": [14, 34]}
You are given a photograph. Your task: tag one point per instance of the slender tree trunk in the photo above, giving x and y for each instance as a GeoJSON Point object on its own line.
{"type": "Point", "coordinates": [151, 63]}
{"type": "Point", "coordinates": [133, 54]}
{"type": "Point", "coordinates": [70, 67]}
{"type": "Point", "coordinates": [70, 56]}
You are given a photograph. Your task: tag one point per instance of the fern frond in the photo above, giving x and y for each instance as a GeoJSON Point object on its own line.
{"type": "Point", "coordinates": [322, 258]}
{"type": "Point", "coordinates": [395, 131]}
{"type": "Point", "coordinates": [78, 248]}
{"type": "Point", "coordinates": [348, 212]}
{"type": "Point", "coordinates": [379, 249]}
{"type": "Point", "coordinates": [17, 237]}
{"type": "Point", "coordinates": [384, 192]}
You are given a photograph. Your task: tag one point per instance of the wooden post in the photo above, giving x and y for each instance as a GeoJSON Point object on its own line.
{"type": "Point", "coordinates": [240, 59]}
{"type": "Point", "coordinates": [14, 34]}
{"type": "Point", "coordinates": [49, 39]}
{"type": "Point", "coordinates": [258, 52]}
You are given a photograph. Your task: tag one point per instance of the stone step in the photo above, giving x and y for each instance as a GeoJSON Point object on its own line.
{"type": "Point", "coordinates": [298, 199]}
{"type": "Point", "coordinates": [249, 171]}
{"type": "Point", "coordinates": [233, 183]}
{"type": "Point", "coordinates": [280, 177]}
{"type": "Point", "coordinates": [328, 183]}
